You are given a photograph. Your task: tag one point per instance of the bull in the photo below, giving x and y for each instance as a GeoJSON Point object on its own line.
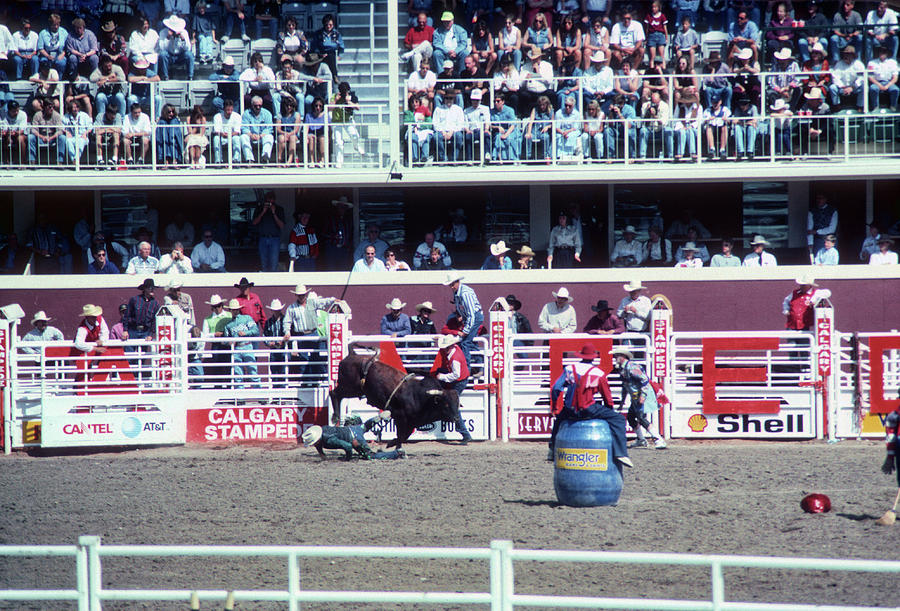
{"type": "Point", "coordinates": [413, 400]}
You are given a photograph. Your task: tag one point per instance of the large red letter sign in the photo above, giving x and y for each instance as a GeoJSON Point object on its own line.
{"type": "Point", "coordinates": [878, 404]}
{"type": "Point", "coordinates": [712, 375]}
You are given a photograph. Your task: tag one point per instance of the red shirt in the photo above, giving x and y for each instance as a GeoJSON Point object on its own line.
{"type": "Point", "coordinates": [253, 307]}
{"type": "Point", "coordinates": [656, 23]}
{"type": "Point", "coordinates": [414, 37]}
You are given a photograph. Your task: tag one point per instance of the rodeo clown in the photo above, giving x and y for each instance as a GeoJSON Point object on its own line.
{"type": "Point", "coordinates": [350, 437]}
{"type": "Point", "coordinates": [636, 385]}
{"type": "Point", "coordinates": [451, 371]}
{"type": "Point", "coordinates": [580, 382]}
{"type": "Point", "coordinates": [892, 460]}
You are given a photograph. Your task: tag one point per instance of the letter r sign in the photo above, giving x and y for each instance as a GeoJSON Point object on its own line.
{"type": "Point", "coordinates": [713, 375]}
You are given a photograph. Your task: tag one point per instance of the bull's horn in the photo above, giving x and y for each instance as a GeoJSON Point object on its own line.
{"type": "Point", "coordinates": [434, 392]}
{"type": "Point", "coordinates": [418, 378]}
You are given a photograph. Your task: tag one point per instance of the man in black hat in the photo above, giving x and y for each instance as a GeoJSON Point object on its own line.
{"type": "Point", "coordinates": [520, 321]}
{"type": "Point", "coordinates": [604, 322]}
{"type": "Point", "coordinates": [251, 304]}
{"type": "Point", "coordinates": [140, 317]}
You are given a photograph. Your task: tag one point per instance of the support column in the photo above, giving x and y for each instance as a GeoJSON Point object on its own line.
{"type": "Point", "coordinates": [541, 223]}
{"type": "Point", "coordinates": [870, 201]}
{"type": "Point", "coordinates": [394, 102]}
{"type": "Point", "coordinates": [798, 208]}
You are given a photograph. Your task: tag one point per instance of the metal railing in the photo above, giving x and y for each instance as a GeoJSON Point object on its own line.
{"type": "Point", "coordinates": [501, 592]}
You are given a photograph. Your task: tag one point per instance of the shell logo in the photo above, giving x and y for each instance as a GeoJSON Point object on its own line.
{"type": "Point", "coordinates": [698, 423]}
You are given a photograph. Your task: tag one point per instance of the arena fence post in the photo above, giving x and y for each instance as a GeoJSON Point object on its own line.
{"type": "Point", "coordinates": [293, 582]}
{"type": "Point", "coordinates": [501, 575]}
{"type": "Point", "coordinates": [6, 353]}
{"type": "Point", "coordinates": [500, 357]}
{"type": "Point", "coordinates": [81, 576]}
{"type": "Point", "coordinates": [826, 370]}
{"type": "Point", "coordinates": [661, 336]}
{"type": "Point", "coordinates": [91, 546]}
{"type": "Point", "coordinates": [718, 585]}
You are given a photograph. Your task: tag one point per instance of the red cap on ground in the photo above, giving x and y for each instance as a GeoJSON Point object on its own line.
{"type": "Point", "coordinates": [816, 503]}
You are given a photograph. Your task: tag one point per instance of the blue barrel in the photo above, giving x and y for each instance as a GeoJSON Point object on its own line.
{"type": "Point", "coordinates": [585, 474]}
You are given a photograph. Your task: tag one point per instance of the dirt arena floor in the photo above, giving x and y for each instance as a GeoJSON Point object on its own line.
{"type": "Point", "coordinates": [698, 497]}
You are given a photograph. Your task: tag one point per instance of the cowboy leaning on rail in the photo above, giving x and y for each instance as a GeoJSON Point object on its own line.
{"type": "Point", "coordinates": [350, 437]}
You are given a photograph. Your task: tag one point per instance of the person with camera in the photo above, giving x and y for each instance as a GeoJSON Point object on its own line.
{"type": "Point", "coordinates": [620, 117]}
{"type": "Point", "coordinates": [268, 218]}
{"type": "Point", "coordinates": [175, 262]}
{"type": "Point", "coordinates": [655, 127]}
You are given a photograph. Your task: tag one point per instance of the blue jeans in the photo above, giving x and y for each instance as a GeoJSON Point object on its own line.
{"type": "Point", "coordinates": [836, 95]}
{"type": "Point", "coordinates": [32, 66]}
{"type": "Point", "coordinates": [268, 252]}
{"type": "Point", "coordinates": [419, 151]}
{"type": "Point", "coordinates": [508, 149]}
{"type": "Point", "coordinates": [166, 59]}
{"type": "Point", "coordinates": [874, 93]}
{"type": "Point", "coordinates": [103, 100]}
{"type": "Point", "coordinates": [716, 93]}
{"type": "Point", "coordinates": [661, 139]}
{"type": "Point", "coordinates": [541, 139]}
{"type": "Point", "coordinates": [745, 138]}
{"type": "Point", "coordinates": [60, 145]}
{"type": "Point", "coordinates": [449, 150]}
{"type": "Point", "coordinates": [890, 42]}
{"type": "Point", "coordinates": [243, 362]}
{"type": "Point", "coordinates": [57, 62]}
{"type": "Point", "coordinates": [838, 43]}
{"type": "Point", "coordinates": [221, 143]}
{"type": "Point", "coordinates": [459, 386]}
{"type": "Point", "coordinates": [687, 139]}
{"type": "Point", "coordinates": [613, 132]}
{"type": "Point", "coordinates": [467, 343]}
{"type": "Point", "coordinates": [230, 18]}
{"type": "Point", "coordinates": [516, 57]}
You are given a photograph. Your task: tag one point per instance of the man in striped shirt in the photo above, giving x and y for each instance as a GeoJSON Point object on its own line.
{"type": "Point", "coordinates": [468, 310]}
{"type": "Point", "coordinates": [303, 246]}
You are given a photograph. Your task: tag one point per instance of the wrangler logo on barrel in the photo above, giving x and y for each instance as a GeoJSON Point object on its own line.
{"type": "Point", "coordinates": [581, 459]}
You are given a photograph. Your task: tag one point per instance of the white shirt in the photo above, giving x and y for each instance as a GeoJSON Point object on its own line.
{"type": "Point", "coordinates": [261, 80]}
{"type": "Point", "coordinates": [848, 75]}
{"type": "Point", "coordinates": [141, 125]}
{"type": "Point", "coordinates": [24, 44]}
{"type": "Point", "coordinates": [552, 317]}
{"type": "Point", "coordinates": [448, 119]}
{"type": "Point", "coordinates": [888, 21]}
{"type": "Point", "coordinates": [540, 80]}
{"type": "Point", "coordinates": [213, 256]}
{"type": "Point", "coordinates": [6, 41]}
{"type": "Point", "coordinates": [417, 82]}
{"type": "Point", "coordinates": [144, 45]}
{"type": "Point", "coordinates": [752, 260]}
{"type": "Point", "coordinates": [168, 265]}
{"type": "Point", "coordinates": [883, 71]}
{"type": "Point", "coordinates": [630, 37]}
{"type": "Point", "coordinates": [376, 266]}
{"type": "Point", "coordinates": [638, 320]}
{"type": "Point", "coordinates": [599, 81]}
{"type": "Point", "coordinates": [229, 126]}
{"type": "Point", "coordinates": [869, 247]}
{"type": "Point", "coordinates": [695, 262]}
{"type": "Point", "coordinates": [628, 249]}
{"type": "Point", "coordinates": [81, 336]}
{"type": "Point", "coordinates": [883, 258]}
{"type": "Point", "coordinates": [477, 118]}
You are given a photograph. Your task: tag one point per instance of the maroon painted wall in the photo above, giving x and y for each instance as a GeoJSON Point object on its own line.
{"type": "Point", "coordinates": [860, 305]}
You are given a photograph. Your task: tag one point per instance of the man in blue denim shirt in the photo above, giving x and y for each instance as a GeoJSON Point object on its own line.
{"type": "Point", "coordinates": [243, 358]}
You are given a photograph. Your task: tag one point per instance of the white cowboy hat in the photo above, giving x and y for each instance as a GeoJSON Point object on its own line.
{"type": "Point", "coordinates": [758, 239]}
{"type": "Point", "coordinates": [91, 310]}
{"type": "Point", "coordinates": [395, 304]}
{"type": "Point", "coordinates": [445, 341]}
{"type": "Point", "coordinates": [425, 305]}
{"type": "Point", "coordinates": [174, 23]}
{"type": "Point", "coordinates": [276, 305]}
{"type": "Point", "coordinates": [342, 201]}
{"type": "Point", "coordinates": [634, 285]}
{"type": "Point", "coordinates": [629, 229]}
{"type": "Point", "coordinates": [228, 61]}
{"type": "Point", "coordinates": [174, 284]}
{"type": "Point", "coordinates": [690, 246]}
{"type": "Point", "coordinates": [744, 53]}
{"type": "Point", "coordinates": [814, 94]}
{"type": "Point", "coordinates": [300, 289]}
{"type": "Point", "coordinates": [499, 248]}
{"type": "Point", "coordinates": [562, 293]}
{"type": "Point", "coordinates": [779, 104]}
{"type": "Point", "coordinates": [312, 435]}
{"type": "Point", "coordinates": [621, 352]}
{"type": "Point", "coordinates": [784, 53]}
{"type": "Point", "coordinates": [806, 279]}
{"type": "Point", "coordinates": [215, 300]}
{"type": "Point", "coordinates": [817, 48]}
{"type": "Point", "coordinates": [452, 277]}
{"type": "Point", "coordinates": [40, 315]}
{"type": "Point", "coordinates": [234, 304]}
{"type": "Point", "coordinates": [598, 57]}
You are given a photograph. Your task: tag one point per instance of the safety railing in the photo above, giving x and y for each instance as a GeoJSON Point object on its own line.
{"type": "Point", "coordinates": [857, 388]}
{"type": "Point", "coordinates": [92, 588]}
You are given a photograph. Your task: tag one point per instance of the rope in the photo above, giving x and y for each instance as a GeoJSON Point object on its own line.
{"type": "Point", "coordinates": [396, 388]}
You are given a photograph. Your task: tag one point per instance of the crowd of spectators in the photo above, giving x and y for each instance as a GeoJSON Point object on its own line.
{"type": "Point", "coordinates": [569, 79]}
{"type": "Point", "coordinates": [95, 70]}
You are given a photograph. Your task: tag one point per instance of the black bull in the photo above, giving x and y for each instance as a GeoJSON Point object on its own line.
{"type": "Point", "coordinates": [418, 400]}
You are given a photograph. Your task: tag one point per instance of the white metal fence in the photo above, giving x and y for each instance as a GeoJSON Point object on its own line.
{"type": "Point", "coordinates": [500, 592]}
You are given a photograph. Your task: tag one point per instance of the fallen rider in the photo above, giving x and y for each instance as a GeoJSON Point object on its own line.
{"type": "Point", "coordinates": [350, 437]}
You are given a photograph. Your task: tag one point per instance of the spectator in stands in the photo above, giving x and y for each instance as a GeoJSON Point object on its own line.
{"type": "Point", "coordinates": [693, 236]}
{"type": "Point", "coordinates": [143, 46]}
{"type": "Point", "coordinates": [143, 234]}
{"type": "Point", "coordinates": [657, 33]}
{"type": "Point", "coordinates": [92, 333]}
{"type": "Point", "coordinates": [316, 74]}
{"type": "Point", "coordinates": [140, 317]}
{"type": "Point", "coordinates": [257, 132]}
{"type": "Point", "coordinates": [814, 32]}
{"type": "Point", "coordinates": [101, 263]}
{"type": "Point", "coordinates": [292, 43]}
{"type": "Point", "coordinates": [828, 254]}
{"type": "Point", "coordinates": [883, 73]}
{"type": "Point", "coordinates": [287, 131]}
{"type": "Point", "coordinates": [141, 86]}
{"type": "Point", "coordinates": [315, 136]}
{"type": "Point", "coordinates": [288, 85]}
{"type": "Point", "coordinates": [655, 127]}
{"type": "Point", "coordinates": [196, 141]}
{"type": "Point", "coordinates": [414, 8]}
{"type": "Point", "coordinates": [423, 251]}
{"type": "Point", "coordinates": [821, 221]}
{"type": "Point", "coordinates": [595, 39]}
{"type": "Point", "coordinates": [558, 316]}
{"type": "Point", "coordinates": [41, 332]}
{"type": "Point", "coordinates": [885, 30]}
{"type": "Point", "coordinates": [594, 9]}
{"type": "Point", "coordinates": [203, 34]}
{"type": "Point", "coordinates": [626, 41]}
{"type": "Point", "coordinates": [509, 43]}
{"type": "Point", "coordinates": [45, 82]}
{"type": "Point", "coordinates": [419, 135]}
{"type": "Point", "coordinates": [687, 41]}
{"type": "Point", "coordinates": [24, 51]}
{"type": "Point", "coordinates": [109, 79]}
{"type": "Point", "coordinates": [785, 83]}
{"type": "Point", "coordinates": [52, 250]}
{"type": "Point", "coordinates": [687, 256]}
{"type": "Point", "coordinates": [538, 37]}
{"type": "Point", "coordinates": [564, 248]}
{"type": "Point", "coordinates": [816, 72]}
{"type": "Point", "coordinates": [169, 138]}
{"type": "Point", "coordinates": [143, 262]}
{"type": "Point", "coordinates": [483, 53]}
{"type": "Point", "coordinates": [268, 218]}
{"type": "Point", "coordinates": [605, 321]}
{"type": "Point", "coordinates": [445, 85]}
{"type": "Point", "coordinates": [449, 122]}
{"type": "Point", "coordinates": [478, 126]}
{"type": "Point", "coordinates": [537, 134]}
{"type": "Point", "coordinates": [627, 252]}
{"type": "Point", "coordinates": [716, 85]}
{"type": "Point", "coordinates": [250, 303]}
{"type": "Point", "coordinates": [392, 264]}
{"type": "Point", "coordinates": [136, 135]}
{"type": "Point", "coordinates": [780, 34]}
{"type": "Point", "coordinates": [627, 84]}
{"type": "Point", "coordinates": [685, 126]}
{"type": "Point", "coordinates": [52, 44]}
{"type": "Point", "coordinates": [227, 83]}
{"type": "Point", "coordinates": [884, 256]}
{"type": "Point", "coordinates": [234, 11]}
{"type": "Point", "coordinates": [817, 132]}
{"type": "Point", "coordinates": [656, 251]}
{"type": "Point", "coordinates": [508, 82]}
{"type": "Point", "coordinates": [83, 49]}
{"type": "Point", "coordinates": [568, 43]}
{"type": "Point", "coordinates": [372, 238]}
{"type": "Point", "coordinates": [743, 33]}
{"type": "Point", "coordinates": [417, 42]}
{"type": "Point", "coordinates": [716, 120]}
{"type": "Point", "coordinates": [422, 81]}
{"type": "Point", "coordinates": [47, 133]}
{"type": "Point", "coordinates": [267, 12]}
{"type": "Point", "coordinates": [846, 29]}
{"type": "Point", "coordinates": [260, 79]}
{"type": "Point", "coordinates": [507, 142]}
{"type": "Point", "coordinates": [208, 256]}
{"type": "Point", "coordinates": [472, 70]}
{"type": "Point", "coordinates": [434, 261]}
{"type": "Point", "coordinates": [13, 130]}
{"type": "Point", "coordinates": [498, 258]}
{"type": "Point", "coordinates": [746, 79]}
{"type": "Point", "coordinates": [759, 257]}
{"type": "Point", "coordinates": [568, 123]}
{"type": "Point", "coordinates": [227, 133]}
{"type": "Point", "coordinates": [175, 262]}
{"type": "Point", "coordinates": [113, 45]}
{"type": "Point", "coordinates": [77, 129]}
{"type": "Point", "coordinates": [449, 42]}
{"type": "Point", "coordinates": [598, 82]}
{"type": "Point", "coordinates": [726, 258]}
{"type": "Point", "coordinates": [870, 244]}
{"type": "Point", "coordinates": [395, 323]}
{"type": "Point", "coordinates": [243, 358]}
{"type": "Point", "coordinates": [329, 43]}
{"type": "Point", "coordinates": [369, 262]}
{"type": "Point", "coordinates": [686, 82]}
{"type": "Point", "coordinates": [421, 323]}
{"type": "Point", "coordinates": [303, 245]}
{"type": "Point", "coordinates": [175, 47]}
{"type": "Point", "coordinates": [344, 104]}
